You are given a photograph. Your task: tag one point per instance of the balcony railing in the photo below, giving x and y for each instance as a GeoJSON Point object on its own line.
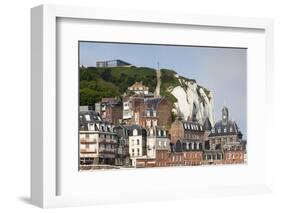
{"type": "Point", "coordinates": [111, 151]}
{"type": "Point", "coordinates": [86, 151]}
{"type": "Point", "coordinates": [110, 141]}
{"type": "Point", "coordinates": [87, 140]}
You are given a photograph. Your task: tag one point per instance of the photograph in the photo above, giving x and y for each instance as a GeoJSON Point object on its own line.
{"type": "Point", "coordinates": [160, 105]}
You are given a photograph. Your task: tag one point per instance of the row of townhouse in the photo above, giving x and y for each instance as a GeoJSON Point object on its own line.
{"type": "Point", "coordinates": [184, 143]}
{"type": "Point", "coordinates": [137, 107]}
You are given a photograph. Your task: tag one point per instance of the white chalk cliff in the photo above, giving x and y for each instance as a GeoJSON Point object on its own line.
{"type": "Point", "coordinates": [193, 101]}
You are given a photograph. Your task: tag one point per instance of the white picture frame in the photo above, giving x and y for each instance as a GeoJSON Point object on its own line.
{"type": "Point", "coordinates": [44, 115]}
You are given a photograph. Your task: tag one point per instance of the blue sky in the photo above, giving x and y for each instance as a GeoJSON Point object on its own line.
{"type": "Point", "coordinates": [221, 70]}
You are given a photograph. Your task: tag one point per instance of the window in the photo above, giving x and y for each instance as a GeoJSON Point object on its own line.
{"type": "Point", "coordinates": [224, 130]}
{"type": "Point", "coordinates": [229, 156]}
{"type": "Point", "coordinates": [87, 136]}
{"type": "Point", "coordinates": [138, 152]}
{"type": "Point", "coordinates": [219, 130]}
{"type": "Point", "coordinates": [213, 130]}
{"type": "Point", "coordinates": [230, 139]}
{"type": "Point", "coordinates": [87, 117]}
{"type": "Point", "coordinates": [135, 132]}
{"type": "Point", "coordinates": [230, 129]}
{"type": "Point", "coordinates": [224, 140]}
{"type": "Point", "coordinates": [87, 146]}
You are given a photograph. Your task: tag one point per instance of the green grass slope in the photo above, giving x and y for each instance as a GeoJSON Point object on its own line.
{"type": "Point", "coordinates": [97, 83]}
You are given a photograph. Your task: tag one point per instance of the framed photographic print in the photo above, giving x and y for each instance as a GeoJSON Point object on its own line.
{"type": "Point", "coordinates": [147, 105]}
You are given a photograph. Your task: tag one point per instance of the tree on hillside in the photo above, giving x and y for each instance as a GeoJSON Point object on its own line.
{"type": "Point", "coordinates": [106, 74]}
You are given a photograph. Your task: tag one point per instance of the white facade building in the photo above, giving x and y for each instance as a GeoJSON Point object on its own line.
{"type": "Point", "coordinates": [137, 143]}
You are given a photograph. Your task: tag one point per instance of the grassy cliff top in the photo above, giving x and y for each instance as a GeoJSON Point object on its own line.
{"type": "Point", "coordinates": [97, 83]}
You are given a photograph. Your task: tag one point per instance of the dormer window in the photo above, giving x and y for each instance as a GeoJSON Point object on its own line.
{"type": "Point", "coordinates": [213, 130]}
{"type": "Point", "coordinates": [87, 117]}
{"type": "Point", "coordinates": [219, 130]}
{"type": "Point", "coordinates": [135, 132]}
{"type": "Point", "coordinates": [224, 130]}
{"type": "Point", "coordinates": [230, 129]}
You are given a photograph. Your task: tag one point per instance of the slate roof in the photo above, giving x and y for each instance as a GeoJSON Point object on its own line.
{"type": "Point", "coordinates": [152, 102]}
{"type": "Point", "coordinates": [92, 119]}
{"type": "Point", "coordinates": [184, 145]}
{"type": "Point", "coordinates": [141, 131]}
{"type": "Point", "coordinates": [89, 116]}
{"type": "Point", "coordinates": [192, 126]}
{"type": "Point", "coordinates": [207, 125]}
{"type": "Point", "coordinates": [230, 128]}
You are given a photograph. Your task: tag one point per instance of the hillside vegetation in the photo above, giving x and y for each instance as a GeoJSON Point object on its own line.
{"type": "Point", "coordinates": [97, 83]}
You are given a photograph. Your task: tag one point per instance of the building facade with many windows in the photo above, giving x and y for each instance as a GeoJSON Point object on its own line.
{"type": "Point", "coordinates": [98, 140]}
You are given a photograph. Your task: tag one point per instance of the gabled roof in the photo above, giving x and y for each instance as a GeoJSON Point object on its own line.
{"type": "Point", "coordinates": [141, 130]}
{"type": "Point", "coordinates": [207, 124]}
{"type": "Point", "coordinates": [154, 102]}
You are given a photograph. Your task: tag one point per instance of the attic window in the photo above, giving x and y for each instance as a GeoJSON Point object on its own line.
{"type": "Point", "coordinates": [213, 130]}
{"type": "Point", "coordinates": [219, 130]}
{"type": "Point", "coordinates": [87, 117]}
{"type": "Point", "coordinates": [135, 132]}
{"type": "Point", "coordinates": [225, 130]}
{"type": "Point", "coordinates": [230, 129]}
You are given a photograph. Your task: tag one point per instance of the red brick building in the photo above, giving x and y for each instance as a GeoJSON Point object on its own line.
{"type": "Point", "coordinates": [189, 130]}
{"type": "Point", "coordinates": [225, 142]}
{"type": "Point", "coordinates": [234, 153]}
{"type": "Point", "coordinates": [162, 158]}
{"type": "Point", "coordinates": [110, 110]}
{"type": "Point", "coordinates": [192, 151]}
{"type": "Point", "coordinates": [176, 131]}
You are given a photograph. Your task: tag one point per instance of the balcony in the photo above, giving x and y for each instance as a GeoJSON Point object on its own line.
{"type": "Point", "coordinates": [107, 141]}
{"type": "Point", "coordinates": [87, 140]}
{"type": "Point", "coordinates": [109, 151]}
{"type": "Point", "coordinates": [86, 151]}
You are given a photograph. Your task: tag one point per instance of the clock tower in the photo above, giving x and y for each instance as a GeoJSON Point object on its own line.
{"type": "Point", "coordinates": [224, 115]}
